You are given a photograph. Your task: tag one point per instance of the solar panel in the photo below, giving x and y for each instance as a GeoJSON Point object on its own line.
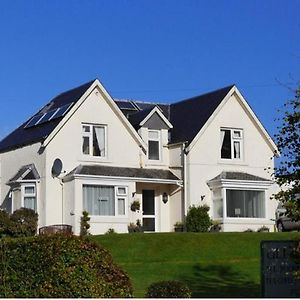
{"type": "Point", "coordinates": [46, 117]}
{"type": "Point", "coordinates": [61, 111]}
{"type": "Point", "coordinates": [33, 121]}
{"type": "Point", "coordinates": [126, 105]}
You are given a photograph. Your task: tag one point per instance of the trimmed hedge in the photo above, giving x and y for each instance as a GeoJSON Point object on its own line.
{"type": "Point", "coordinates": [5, 223]}
{"type": "Point", "coordinates": [59, 266]}
{"type": "Point", "coordinates": [168, 289]}
{"type": "Point", "coordinates": [197, 219]}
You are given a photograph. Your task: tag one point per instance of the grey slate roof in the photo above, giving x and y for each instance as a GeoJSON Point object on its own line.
{"type": "Point", "coordinates": [187, 116]}
{"type": "Point", "coordinates": [27, 172]}
{"type": "Point", "coordinates": [238, 176]}
{"type": "Point", "coordinates": [26, 136]}
{"type": "Point", "coordinates": [99, 170]}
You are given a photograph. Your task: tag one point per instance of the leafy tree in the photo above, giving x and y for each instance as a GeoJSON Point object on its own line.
{"type": "Point", "coordinates": [287, 174]}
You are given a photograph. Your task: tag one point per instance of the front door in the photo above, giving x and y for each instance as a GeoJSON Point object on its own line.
{"type": "Point", "coordinates": [148, 210]}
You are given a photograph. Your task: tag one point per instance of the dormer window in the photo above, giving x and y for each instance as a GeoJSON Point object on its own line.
{"type": "Point", "coordinates": [231, 143]}
{"type": "Point", "coordinates": [94, 140]}
{"type": "Point", "coordinates": [154, 145]}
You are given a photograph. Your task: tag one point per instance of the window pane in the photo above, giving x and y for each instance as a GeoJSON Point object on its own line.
{"type": "Point", "coordinates": [236, 134]}
{"type": "Point", "coordinates": [226, 144]}
{"type": "Point", "coordinates": [29, 202]}
{"type": "Point", "coordinates": [85, 128]}
{"type": "Point", "coordinates": [246, 204]}
{"type": "Point", "coordinates": [218, 208]}
{"type": "Point", "coordinates": [98, 141]}
{"type": "Point", "coordinates": [237, 149]}
{"type": "Point", "coordinates": [149, 224]}
{"type": "Point", "coordinates": [85, 145]}
{"type": "Point", "coordinates": [153, 135]}
{"type": "Point", "coordinates": [99, 200]}
{"type": "Point", "coordinates": [153, 148]}
{"type": "Point", "coordinates": [121, 190]}
{"type": "Point", "coordinates": [29, 190]}
{"type": "Point", "coordinates": [121, 206]}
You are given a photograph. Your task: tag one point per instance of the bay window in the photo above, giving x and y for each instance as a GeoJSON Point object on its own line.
{"type": "Point", "coordinates": [102, 200]}
{"type": "Point", "coordinates": [94, 140]}
{"type": "Point", "coordinates": [245, 203]}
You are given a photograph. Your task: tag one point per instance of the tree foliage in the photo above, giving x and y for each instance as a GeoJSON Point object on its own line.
{"type": "Point", "coordinates": [287, 174]}
{"type": "Point", "coordinates": [197, 219]}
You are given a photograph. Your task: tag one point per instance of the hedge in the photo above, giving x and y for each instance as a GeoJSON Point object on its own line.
{"type": "Point", "coordinates": [61, 267]}
{"type": "Point", "coordinates": [168, 289]}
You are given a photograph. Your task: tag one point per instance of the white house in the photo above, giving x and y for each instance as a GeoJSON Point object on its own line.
{"type": "Point", "coordinates": [85, 150]}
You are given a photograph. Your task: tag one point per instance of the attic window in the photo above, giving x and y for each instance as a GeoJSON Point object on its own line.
{"type": "Point", "coordinates": [231, 143]}
{"type": "Point", "coordinates": [94, 140]}
{"type": "Point", "coordinates": [154, 145]}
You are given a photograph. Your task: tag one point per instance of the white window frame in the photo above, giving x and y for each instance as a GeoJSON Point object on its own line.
{"type": "Point", "coordinates": [117, 197]}
{"type": "Point", "coordinates": [24, 195]}
{"type": "Point", "coordinates": [243, 189]}
{"type": "Point", "coordinates": [90, 136]}
{"type": "Point", "coordinates": [159, 144]}
{"type": "Point", "coordinates": [233, 139]}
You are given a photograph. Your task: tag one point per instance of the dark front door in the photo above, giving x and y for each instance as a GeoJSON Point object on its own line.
{"type": "Point", "coordinates": [148, 210]}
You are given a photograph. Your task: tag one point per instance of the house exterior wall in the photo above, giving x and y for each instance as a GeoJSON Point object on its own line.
{"type": "Point", "coordinates": [204, 160]}
{"type": "Point", "coordinates": [122, 149]}
{"type": "Point", "coordinates": [12, 161]}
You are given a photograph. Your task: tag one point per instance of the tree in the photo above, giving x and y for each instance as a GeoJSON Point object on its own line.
{"type": "Point", "coordinates": [287, 174]}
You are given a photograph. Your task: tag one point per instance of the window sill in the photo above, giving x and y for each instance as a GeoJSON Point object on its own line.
{"type": "Point", "coordinates": [232, 162]}
{"type": "Point", "coordinates": [109, 219]}
{"type": "Point", "coordinates": [87, 158]}
{"type": "Point", "coordinates": [246, 221]}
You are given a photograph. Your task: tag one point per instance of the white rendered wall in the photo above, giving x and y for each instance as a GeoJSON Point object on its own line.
{"type": "Point", "coordinates": [204, 160]}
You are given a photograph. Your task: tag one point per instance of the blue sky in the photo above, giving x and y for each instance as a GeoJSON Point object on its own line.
{"type": "Point", "coordinates": [150, 50]}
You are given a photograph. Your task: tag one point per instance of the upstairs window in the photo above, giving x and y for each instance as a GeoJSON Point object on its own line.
{"type": "Point", "coordinates": [154, 145]}
{"type": "Point", "coordinates": [94, 140]}
{"type": "Point", "coordinates": [231, 143]}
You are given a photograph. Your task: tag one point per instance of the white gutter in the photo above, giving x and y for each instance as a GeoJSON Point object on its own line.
{"type": "Point", "coordinates": [135, 179]}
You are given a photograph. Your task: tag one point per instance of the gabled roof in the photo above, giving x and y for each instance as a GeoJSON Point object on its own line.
{"type": "Point", "coordinates": [27, 172]}
{"type": "Point", "coordinates": [189, 116]}
{"type": "Point", "coordinates": [26, 136]}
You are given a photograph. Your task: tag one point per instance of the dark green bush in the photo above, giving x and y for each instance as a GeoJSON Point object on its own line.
{"type": "Point", "coordinates": [197, 219]}
{"type": "Point", "coordinates": [24, 222]}
{"type": "Point", "coordinates": [168, 289]}
{"type": "Point", "coordinates": [4, 223]}
{"type": "Point", "coordinates": [59, 266]}
{"type": "Point", "coordinates": [84, 224]}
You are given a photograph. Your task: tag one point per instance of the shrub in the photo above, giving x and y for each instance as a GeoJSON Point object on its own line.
{"type": "Point", "coordinates": [168, 289]}
{"type": "Point", "coordinates": [197, 219]}
{"type": "Point", "coordinates": [59, 266]}
{"type": "Point", "coordinates": [4, 223]}
{"type": "Point", "coordinates": [135, 205]}
{"type": "Point", "coordinates": [23, 222]}
{"type": "Point", "coordinates": [110, 231]}
{"type": "Point", "coordinates": [263, 229]}
{"type": "Point", "coordinates": [84, 224]}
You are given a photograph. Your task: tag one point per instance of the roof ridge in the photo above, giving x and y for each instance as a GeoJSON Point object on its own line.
{"type": "Point", "coordinates": [205, 94]}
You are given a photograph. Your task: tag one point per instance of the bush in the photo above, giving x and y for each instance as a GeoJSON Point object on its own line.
{"type": "Point", "coordinates": [59, 266]}
{"type": "Point", "coordinates": [168, 289]}
{"type": "Point", "coordinates": [4, 223]}
{"type": "Point", "coordinates": [23, 222]}
{"type": "Point", "coordinates": [84, 224]}
{"type": "Point", "coordinates": [197, 219]}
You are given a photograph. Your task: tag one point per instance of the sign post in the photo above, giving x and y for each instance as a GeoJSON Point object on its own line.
{"type": "Point", "coordinates": [277, 270]}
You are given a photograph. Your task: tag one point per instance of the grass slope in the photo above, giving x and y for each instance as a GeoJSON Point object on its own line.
{"type": "Point", "coordinates": [212, 264]}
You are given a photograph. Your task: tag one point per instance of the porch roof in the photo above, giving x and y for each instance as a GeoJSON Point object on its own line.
{"type": "Point", "coordinates": [121, 172]}
{"type": "Point", "coordinates": [238, 176]}
{"type": "Point", "coordinates": [27, 172]}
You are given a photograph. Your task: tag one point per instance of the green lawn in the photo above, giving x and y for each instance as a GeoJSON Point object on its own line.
{"type": "Point", "coordinates": [212, 264]}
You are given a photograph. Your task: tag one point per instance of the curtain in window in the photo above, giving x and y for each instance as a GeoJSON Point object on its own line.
{"type": "Point", "coordinates": [245, 204]}
{"type": "Point", "coordinates": [29, 202]}
{"type": "Point", "coordinates": [100, 135]}
{"type": "Point", "coordinates": [99, 200]}
{"type": "Point", "coordinates": [222, 138]}
{"type": "Point", "coordinates": [237, 150]}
